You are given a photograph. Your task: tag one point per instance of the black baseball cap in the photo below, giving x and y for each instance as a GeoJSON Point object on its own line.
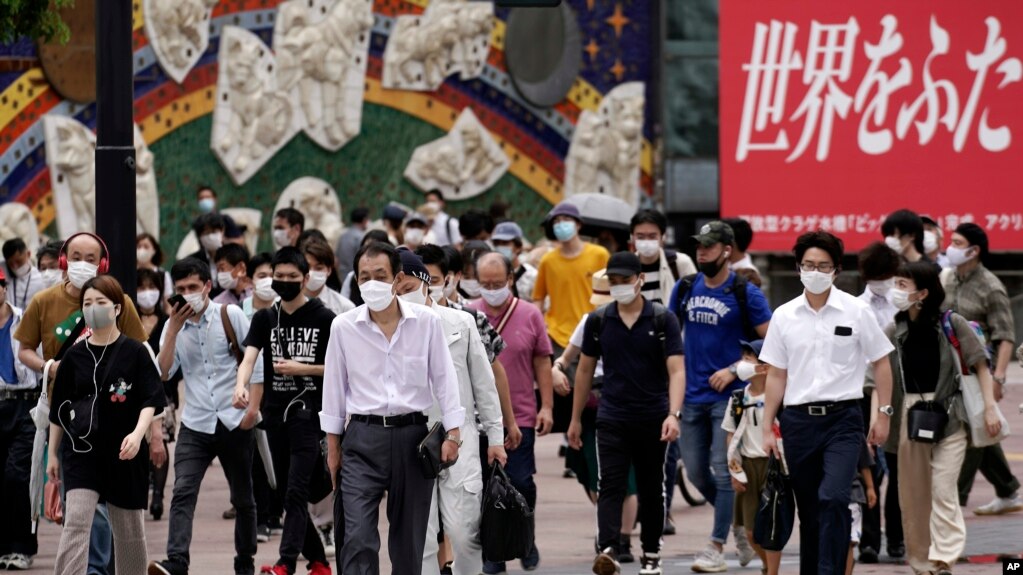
{"type": "Point", "coordinates": [624, 264]}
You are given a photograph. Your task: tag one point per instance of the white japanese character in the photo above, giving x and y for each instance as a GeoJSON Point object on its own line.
{"type": "Point", "coordinates": [992, 139]}
{"type": "Point", "coordinates": [829, 57]}
{"type": "Point", "coordinates": [773, 58]}
{"type": "Point", "coordinates": [931, 96]}
{"type": "Point", "coordinates": [876, 111]}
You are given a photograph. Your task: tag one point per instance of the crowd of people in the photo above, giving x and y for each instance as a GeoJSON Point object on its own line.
{"type": "Point", "coordinates": [317, 373]}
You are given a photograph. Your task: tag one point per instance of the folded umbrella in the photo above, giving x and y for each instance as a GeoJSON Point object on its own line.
{"type": "Point", "coordinates": [263, 445]}
{"type": "Point", "coordinates": [41, 417]}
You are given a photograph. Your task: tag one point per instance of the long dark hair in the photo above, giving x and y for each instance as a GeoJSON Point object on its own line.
{"type": "Point", "coordinates": [925, 275]}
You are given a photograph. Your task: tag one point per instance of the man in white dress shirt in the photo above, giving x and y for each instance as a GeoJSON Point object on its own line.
{"type": "Point", "coordinates": [818, 347]}
{"type": "Point", "coordinates": [386, 363]}
{"type": "Point", "coordinates": [459, 492]}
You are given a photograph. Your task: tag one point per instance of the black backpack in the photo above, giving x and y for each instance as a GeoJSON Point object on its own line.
{"type": "Point", "coordinates": [595, 322]}
{"type": "Point", "coordinates": [739, 287]}
{"type": "Point", "coordinates": [672, 257]}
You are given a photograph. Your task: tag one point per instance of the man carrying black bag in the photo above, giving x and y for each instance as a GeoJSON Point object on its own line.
{"type": "Point", "coordinates": [639, 410]}
{"type": "Point", "coordinates": [507, 526]}
{"type": "Point", "coordinates": [293, 334]}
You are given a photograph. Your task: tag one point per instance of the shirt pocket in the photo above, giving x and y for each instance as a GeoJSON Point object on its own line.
{"type": "Point", "coordinates": [415, 371]}
{"type": "Point", "coordinates": [844, 347]}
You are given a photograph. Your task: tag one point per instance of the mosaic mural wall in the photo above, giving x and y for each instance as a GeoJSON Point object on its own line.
{"type": "Point", "coordinates": [176, 119]}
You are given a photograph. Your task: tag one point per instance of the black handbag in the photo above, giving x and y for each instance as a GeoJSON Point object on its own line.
{"type": "Point", "coordinates": [507, 525]}
{"type": "Point", "coordinates": [429, 451]}
{"type": "Point", "coordinates": [926, 421]}
{"type": "Point", "coordinates": [777, 512]}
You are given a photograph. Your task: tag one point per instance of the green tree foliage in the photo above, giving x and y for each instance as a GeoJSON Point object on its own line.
{"type": "Point", "coordinates": [37, 19]}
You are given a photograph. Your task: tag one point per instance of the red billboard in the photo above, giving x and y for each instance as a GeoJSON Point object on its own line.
{"type": "Point", "coordinates": [835, 113]}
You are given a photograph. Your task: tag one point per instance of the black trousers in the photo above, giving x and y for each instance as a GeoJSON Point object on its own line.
{"type": "Point", "coordinates": [871, 536]}
{"type": "Point", "coordinates": [377, 459]}
{"type": "Point", "coordinates": [17, 431]}
{"type": "Point", "coordinates": [991, 463]}
{"type": "Point", "coordinates": [296, 454]}
{"type": "Point", "coordinates": [822, 453]}
{"type": "Point", "coordinates": [621, 445]}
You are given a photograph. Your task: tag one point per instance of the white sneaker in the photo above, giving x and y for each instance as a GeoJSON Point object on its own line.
{"type": "Point", "coordinates": [1001, 506]}
{"type": "Point", "coordinates": [18, 562]}
{"type": "Point", "coordinates": [710, 560]}
{"type": "Point", "coordinates": [327, 536]}
{"type": "Point", "coordinates": [746, 552]}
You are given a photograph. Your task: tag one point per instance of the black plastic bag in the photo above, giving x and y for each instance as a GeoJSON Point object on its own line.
{"type": "Point", "coordinates": [777, 512]}
{"type": "Point", "coordinates": [507, 523]}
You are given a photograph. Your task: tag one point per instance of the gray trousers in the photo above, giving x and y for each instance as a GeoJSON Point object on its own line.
{"type": "Point", "coordinates": [73, 549]}
{"type": "Point", "coordinates": [376, 459]}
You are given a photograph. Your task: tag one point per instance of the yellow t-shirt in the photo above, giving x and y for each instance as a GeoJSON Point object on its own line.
{"type": "Point", "coordinates": [569, 283]}
{"type": "Point", "coordinates": [53, 313]}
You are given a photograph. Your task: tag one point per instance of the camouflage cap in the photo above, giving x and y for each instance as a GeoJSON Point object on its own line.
{"type": "Point", "coordinates": [715, 232]}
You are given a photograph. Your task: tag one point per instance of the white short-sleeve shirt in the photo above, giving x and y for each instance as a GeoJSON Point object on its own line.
{"type": "Point", "coordinates": [826, 352]}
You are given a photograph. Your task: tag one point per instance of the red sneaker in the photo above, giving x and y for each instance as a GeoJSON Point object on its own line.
{"type": "Point", "coordinates": [273, 570]}
{"type": "Point", "coordinates": [317, 568]}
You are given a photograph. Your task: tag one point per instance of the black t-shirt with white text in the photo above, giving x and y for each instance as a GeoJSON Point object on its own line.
{"type": "Point", "coordinates": [304, 334]}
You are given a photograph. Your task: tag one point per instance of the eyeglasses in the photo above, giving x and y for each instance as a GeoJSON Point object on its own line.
{"type": "Point", "coordinates": [823, 268]}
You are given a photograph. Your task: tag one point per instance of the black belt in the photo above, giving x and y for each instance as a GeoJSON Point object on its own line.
{"type": "Point", "coordinates": [824, 407]}
{"type": "Point", "coordinates": [11, 395]}
{"type": "Point", "coordinates": [393, 420]}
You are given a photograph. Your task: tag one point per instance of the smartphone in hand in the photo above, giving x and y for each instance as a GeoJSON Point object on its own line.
{"type": "Point", "coordinates": [176, 301]}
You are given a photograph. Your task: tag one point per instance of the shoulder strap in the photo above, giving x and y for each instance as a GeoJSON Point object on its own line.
{"type": "Point", "coordinates": [597, 317]}
{"type": "Point", "coordinates": [232, 338]}
{"type": "Point", "coordinates": [71, 339]}
{"type": "Point", "coordinates": [682, 296]}
{"type": "Point", "coordinates": [660, 324]}
{"type": "Point", "coordinates": [507, 315]}
{"type": "Point", "coordinates": [950, 333]}
{"type": "Point", "coordinates": [740, 288]}
{"type": "Point", "coordinates": [672, 257]}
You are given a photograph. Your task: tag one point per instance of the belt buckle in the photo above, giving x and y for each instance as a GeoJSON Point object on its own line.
{"type": "Point", "coordinates": [818, 409]}
{"type": "Point", "coordinates": [385, 420]}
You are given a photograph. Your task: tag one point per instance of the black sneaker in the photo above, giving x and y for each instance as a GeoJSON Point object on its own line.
{"type": "Point", "coordinates": [166, 567]}
{"type": "Point", "coordinates": [868, 555]}
{"type": "Point", "coordinates": [897, 551]}
{"type": "Point", "coordinates": [625, 549]}
{"type": "Point", "coordinates": [262, 534]}
{"type": "Point", "coordinates": [669, 526]}
{"type": "Point", "coordinates": [606, 563]}
{"type": "Point", "coordinates": [650, 565]}
{"type": "Point", "coordinates": [230, 513]}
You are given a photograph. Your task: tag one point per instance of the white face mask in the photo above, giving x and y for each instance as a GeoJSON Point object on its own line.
{"type": "Point", "coordinates": [745, 370]}
{"type": "Point", "coordinates": [625, 293]}
{"type": "Point", "coordinates": [894, 243]}
{"type": "Point", "coordinates": [80, 272]}
{"type": "Point", "coordinates": [930, 242]}
{"type": "Point", "coordinates": [816, 282]}
{"type": "Point", "coordinates": [281, 238]}
{"type": "Point", "coordinates": [437, 293]}
{"type": "Point", "coordinates": [143, 255]}
{"type": "Point", "coordinates": [496, 297]}
{"type": "Point", "coordinates": [51, 277]}
{"type": "Point", "coordinates": [506, 251]}
{"type": "Point", "coordinates": [958, 256]}
{"type": "Point", "coordinates": [900, 299]}
{"type": "Point", "coordinates": [23, 270]}
{"type": "Point", "coordinates": [148, 298]}
{"type": "Point", "coordinates": [881, 288]}
{"type": "Point", "coordinates": [414, 236]}
{"type": "Point", "coordinates": [648, 248]}
{"type": "Point", "coordinates": [470, 287]}
{"type": "Point", "coordinates": [263, 288]}
{"type": "Point", "coordinates": [377, 295]}
{"type": "Point", "coordinates": [212, 242]}
{"type": "Point", "coordinates": [196, 300]}
{"type": "Point", "coordinates": [227, 280]}
{"type": "Point", "coordinates": [415, 296]}
{"type": "Point", "coordinates": [316, 281]}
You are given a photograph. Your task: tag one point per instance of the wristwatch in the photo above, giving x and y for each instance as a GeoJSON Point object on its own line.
{"type": "Point", "coordinates": [887, 410]}
{"type": "Point", "coordinates": [677, 414]}
{"type": "Point", "coordinates": [733, 369]}
{"type": "Point", "coordinates": [453, 439]}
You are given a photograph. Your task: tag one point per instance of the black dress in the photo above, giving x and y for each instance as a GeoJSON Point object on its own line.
{"type": "Point", "coordinates": [127, 381]}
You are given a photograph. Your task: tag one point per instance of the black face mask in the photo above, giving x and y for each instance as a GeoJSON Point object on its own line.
{"type": "Point", "coordinates": [287, 290]}
{"type": "Point", "coordinates": [711, 269]}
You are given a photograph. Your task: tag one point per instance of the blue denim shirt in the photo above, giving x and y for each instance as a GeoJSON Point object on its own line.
{"type": "Point", "coordinates": [202, 352]}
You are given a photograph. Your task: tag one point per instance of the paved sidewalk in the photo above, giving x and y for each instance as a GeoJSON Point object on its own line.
{"type": "Point", "coordinates": [566, 523]}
